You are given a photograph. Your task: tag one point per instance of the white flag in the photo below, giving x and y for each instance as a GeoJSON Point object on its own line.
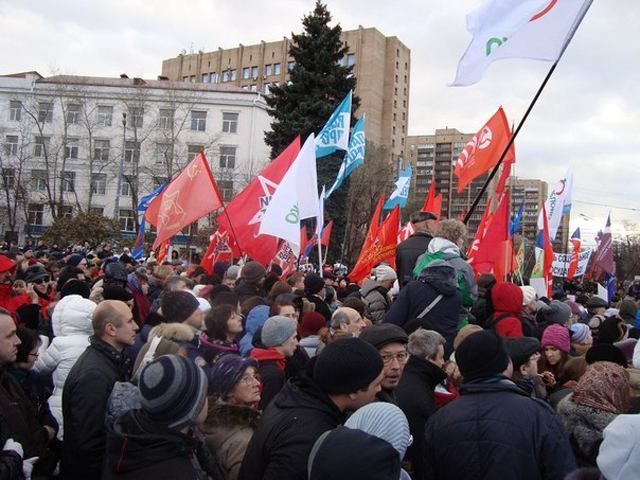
{"type": "Point", "coordinates": [559, 197]}
{"type": "Point", "coordinates": [295, 199]}
{"type": "Point", "coordinates": [535, 29]}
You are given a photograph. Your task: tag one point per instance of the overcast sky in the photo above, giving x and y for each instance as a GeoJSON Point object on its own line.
{"type": "Point", "coordinates": [587, 119]}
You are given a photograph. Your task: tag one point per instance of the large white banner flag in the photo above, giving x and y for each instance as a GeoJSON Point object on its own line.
{"type": "Point", "coordinates": [561, 263]}
{"type": "Point", "coordinates": [559, 197]}
{"type": "Point", "coordinates": [295, 199]}
{"type": "Point", "coordinates": [535, 29]}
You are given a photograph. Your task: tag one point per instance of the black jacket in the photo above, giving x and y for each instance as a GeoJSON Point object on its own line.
{"type": "Point", "coordinates": [10, 461]}
{"type": "Point", "coordinates": [416, 399]}
{"type": "Point", "coordinates": [84, 403]}
{"type": "Point", "coordinates": [280, 446]}
{"type": "Point", "coordinates": [246, 290]}
{"type": "Point", "coordinates": [321, 306]}
{"type": "Point", "coordinates": [494, 430]}
{"type": "Point", "coordinates": [407, 254]}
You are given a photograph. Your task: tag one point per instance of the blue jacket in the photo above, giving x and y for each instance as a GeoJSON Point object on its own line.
{"type": "Point", "coordinates": [255, 320]}
{"type": "Point", "coordinates": [494, 430]}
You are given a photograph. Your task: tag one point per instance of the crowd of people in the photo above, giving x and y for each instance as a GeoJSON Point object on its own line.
{"type": "Point", "coordinates": [116, 369]}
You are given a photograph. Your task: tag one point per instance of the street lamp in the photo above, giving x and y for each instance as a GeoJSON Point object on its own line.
{"type": "Point", "coordinates": [116, 210]}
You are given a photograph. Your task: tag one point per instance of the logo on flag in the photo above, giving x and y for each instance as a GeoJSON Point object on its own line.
{"type": "Point", "coordinates": [335, 133]}
{"type": "Point", "coordinates": [401, 193]}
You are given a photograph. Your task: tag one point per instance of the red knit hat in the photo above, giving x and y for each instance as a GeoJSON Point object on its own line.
{"type": "Point", "coordinates": [311, 323]}
{"type": "Point", "coordinates": [556, 335]}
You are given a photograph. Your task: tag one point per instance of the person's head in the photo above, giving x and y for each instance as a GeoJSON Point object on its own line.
{"type": "Point", "coordinates": [604, 386]}
{"type": "Point", "coordinates": [181, 306]}
{"type": "Point", "coordinates": [224, 297]}
{"type": "Point", "coordinates": [524, 353]}
{"type": "Point", "coordinates": [253, 273]}
{"type": "Point", "coordinates": [278, 288]}
{"type": "Point", "coordinates": [230, 276]}
{"type": "Point", "coordinates": [391, 341]}
{"type": "Point", "coordinates": [507, 297]}
{"type": "Point", "coordinates": [612, 330]}
{"type": "Point", "coordinates": [280, 333]}
{"type": "Point", "coordinates": [173, 392]}
{"type": "Point", "coordinates": [555, 344]}
{"type": "Point", "coordinates": [424, 221]}
{"type": "Point", "coordinates": [348, 320]}
{"type": "Point", "coordinates": [605, 352]}
{"type": "Point", "coordinates": [596, 305]}
{"type": "Point", "coordinates": [284, 309]}
{"type": "Point", "coordinates": [296, 281]}
{"type": "Point", "coordinates": [235, 380]}
{"type": "Point", "coordinates": [174, 283]}
{"type": "Point", "coordinates": [350, 371]}
{"type": "Point", "coordinates": [28, 349]}
{"type": "Point", "coordinates": [6, 268]}
{"type": "Point", "coordinates": [464, 333]}
{"type": "Point", "coordinates": [482, 356]}
{"type": "Point", "coordinates": [113, 322]}
{"type": "Point", "coordinates": [556, 312]}
{"type": "Point", "coordinates": [223, 322]}
{"type": "Point", "coordinates": [357, 304]}
{"type": "Point", "coordinates": [385, 276]}
{"type": "Point", "coordinates": [581, 335]}
{"type": "Point", "coordinates": [75, 287]}
{"type": "Point", "coordinates": [453, 230]}
{"type": "Point", "coordinates": [38, 277]}
{"type": "Point", "coordinates": [314, 285]}
{"type": "Point", "coordinates": [311, 324]}
{"type": "Point", "coordinates": [427, 345]}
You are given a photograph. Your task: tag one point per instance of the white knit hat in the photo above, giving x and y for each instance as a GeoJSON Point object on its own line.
{"type": "Point", "coordinates": [385, 421]}
{"type": "Point", "coordinates": [528, 294]}
{"type": "Point", "coordinates": [385, 272]}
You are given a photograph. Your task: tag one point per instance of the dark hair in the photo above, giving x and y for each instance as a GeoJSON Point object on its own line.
{"type": "Point", "coordinates": [153, 319]}
{"type": "Point", "coordinates": [355, 303]}
{"type": "Point", "coordinates": [247, 305]}
{"type": "Point", "coordinates": [224, 298]}
{"type": "Point", "coordinates": [30, 339]}
{"type": "Point", "coordinates": [198, 271]}
{"type": "Point", "coordinates": [66, 274]}
{"type": "Point", "coordinates": [279, 288]}
{"type": "Point", "coordinates": [216, 321]}
{"type": "Point", "coordinates": [213, 279]}
{"type": "Point", "coordinates": [294, 278]}
{"type": "Point", "coordinates": [276, 306]}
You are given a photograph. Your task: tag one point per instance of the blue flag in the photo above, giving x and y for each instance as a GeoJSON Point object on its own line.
{"type": "Point", "coordinates": [147, 199]}
{"type": "Point", "coordinates": [335, 133]}
{"type": "Point", "coordinates": [401, 193]}
{"type": "Point", "coordinates": [138, 251]}
{"type": "Point", "coordinates": [517, 219]}
{"type": "Point", "coordinates": [354, 157]}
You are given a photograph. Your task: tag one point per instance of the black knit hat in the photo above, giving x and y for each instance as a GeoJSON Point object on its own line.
{"type": "Point", "coordinates": [313, 283]}
{"type": "Point", "coordinates": [481, 355]}
{"type": "Point", "coordinates": [520, 349]}
{"type": "Point", "coordinates": [178, 306]}
{"type": "Point", "coordinates": [347, 365]}
{"type": "Point", "coordinates": [172, 390]}
{"type": "Point", "coordinates": [75, 287]}
{"type": "Point", "coordinates": [384, 334]}
{"type": "Point", "coordinates": [115, 292]}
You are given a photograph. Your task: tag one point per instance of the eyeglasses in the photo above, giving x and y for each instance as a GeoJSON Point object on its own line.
{"type": "Point", "coordinates": [249, 379]}
{"type": "Point", "coordinates": [402, 357]}
{"type": "Point", "coordinates": [39, 281]}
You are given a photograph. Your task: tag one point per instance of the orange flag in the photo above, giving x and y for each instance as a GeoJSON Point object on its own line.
{"type": "Point", "coordinates": [483, 151]}
{"type": "Point", "coordinates": [433, 202]}
{"type": "Point", "coordinates": [383, 247]}
{"type": "Point", "coordinates": [189, 196]}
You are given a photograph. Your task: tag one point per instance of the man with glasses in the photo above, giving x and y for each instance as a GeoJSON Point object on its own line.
{"type": "Point", "coordinates": [391, 342]}
{"type": "Point", "coordinates": [525, 353]}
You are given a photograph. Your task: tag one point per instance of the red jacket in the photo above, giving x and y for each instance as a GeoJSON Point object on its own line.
{"type": "Point", "coordinates": [507, 304]}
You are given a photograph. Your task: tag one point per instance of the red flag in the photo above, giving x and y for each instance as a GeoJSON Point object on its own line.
{"type": "Point", "coordinates": [603, 258]}
{"type": "Point", "coordinates": [509, 160]}
{"type": "Point", "coordinates": [248, 207]}
{"type": "Point", "coordinates": [406, 231]}
{"type": "Point", "coordinates": [304, 240]}
{"type": "Point", "coordinates": [433, 202]}
{"type": "Point", "coordinates": [491, 248]}
{"type": "Point", "coordinates": [189, 196]}
{"type": "Point", "coordinates": [162, 251]}
{"type": "Point", "coordinates": [482, 227]}
{"type": "Point", "coordinates": [286, 258]}
{"type": "Point", "coordinates": [374, 224]}
{"type": "Point", "coordinates": [576, 243]}
{"type": "Point", "coordinates": [221, 247]}
{"type": "Point", "coordinates": [383, 247]}
{"type": "Point", "coordinates": [483, 151]}
{"type": "Point", "coordinates": [326, 234]}
{"type": "Point", "coordinates": [547, 266]}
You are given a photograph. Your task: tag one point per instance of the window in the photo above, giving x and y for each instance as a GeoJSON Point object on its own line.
{"type": "Point", "coordinates": [290, 66]}
{"type": "Point", "coordinates": [190, 230]}
{"type": "Point", "coordinates": [98, 183]}
{"type": "Point", "coordinates": [157, 181]}
{"type": "Point", "coordinates": [71, 148]}
{"type": "Point", "coordinates": [227, 157]}
{"type": "Point", "coordinates": [67, 211]}
{"type": "Point", "coordinates": [40, 146]}
{"type": "Point", "coordinates": [45, 112]}
{"type": "Point", "coordinates": [276, 69]}
{"type": "Point", "coordinates": [11, 145]}
{"type": "Point", "coordinates": [8, 177]}
{"type": "Point", "coordinates": [193, 150]}
{"type": "Point", "coordinates": [131, 151]}
{"type": "Point", "coordinates": [266, 88]}
{"type": "Point", "coordinates": [229, 122]}
{"type": "Point", "coordinates": [127, 223]}
{"type": "Point", "coordinates": [73, 113]}
{"type": "Point", "coordinates": [205, 78]}
{"type": "Point", "coordinates": [96, 210]}
{"type": "Point", "coordinates": [226, 189]}
{"type": "Point", "coordinates": [105, 115]}
{"type": "Point", "coordinates": [39, 180]}
{"type": "Point", "coordinates": [35, 213]}
{"type": "Point", "coordinates": [101, 150]}
{"type": "Point", "coordinates": [267, 70]}
{"type": "Point", "coordinates": [162, 153]}
{"type": "Point", "coordinates": [125, 186]}
{"type": "Point", "coordinates": [137, 116]}
{"type": "Point", "coordinates": [15, 110]}
{"type": "Point", "coordinates": [254, 72]}
{"type": "Point", "coordinates": [166, 118]}
{"type": "Point", "coordinates": [253, 88]}
{"type": "Point", "coordinates": [245, 73]}
{"type": "Point", "coordinates": [225, 75]}
{"type": "Point", "coordinates": [198, 121]}
{"type": "Point", "coordinates": [351, 59]}
{"type": "Point", "coordinates": [68, 181]}
{"type": "Point", "coordinates": [233, 75]}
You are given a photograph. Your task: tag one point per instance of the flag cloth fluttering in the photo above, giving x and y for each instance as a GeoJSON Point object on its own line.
{"type": "Point", "coordinates": [138, 249]}
{"type": "Point", "coordinates": [401, 193]}
{"type": "Point", "coordinates": [576, 243]}
{"type": "Point", "coordinates": [517, 220]}
{"type": "Point", "coordinates": [285, 258]}
{"type": "Point", "coordinates": [405, 232]}
{"type": "Point", "coordinates": [335, 133]}
{"type": "Point", "coordinates": [433, 203]}
{"type": "Point", "coordinates": [492, 254]}
{"type": "Point", "coordinates": [354, 157]}
{"type": "Point", "coordinates": [222, 246]}
{"type": "Point", "coordinates": [603, 258]}
{"type": "Point", "coordinates": [558, 203]}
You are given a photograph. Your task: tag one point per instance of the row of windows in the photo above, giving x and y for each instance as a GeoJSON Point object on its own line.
{"type": "Point", "coordinates": [248, 73]}
{"type": "Point", "coordinates": [104, 116]}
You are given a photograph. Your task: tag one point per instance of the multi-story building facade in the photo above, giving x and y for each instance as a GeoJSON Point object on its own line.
{"type": "Point", "coordinates": [98, 144]}
{"type": "Point", "coordinates": [533, 194]}
{"type": "Point", "coordinates": [382, 66]}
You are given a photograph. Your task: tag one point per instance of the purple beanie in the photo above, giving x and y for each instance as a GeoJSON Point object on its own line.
{"type": "Point", "coordinates": [556, 335]}
{"type": "Point", "coordinates": [226, 371]}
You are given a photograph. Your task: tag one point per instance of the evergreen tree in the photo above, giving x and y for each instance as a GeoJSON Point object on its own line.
{"type": "Point", "coordinates": [318, 83]}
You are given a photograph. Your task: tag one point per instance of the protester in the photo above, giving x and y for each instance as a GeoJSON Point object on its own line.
{"type": "Point", "coordinates": [530, 327]}
{"type": "Point", "coordinates": [524, 353]}
{"type": "Point", "coordinates": [182, 307]}
{"type": "Point", "coordinates": [255, 320]}
{"type": "Point", "coordinates": [173, 337]}
{"type": "Point", "coordinates": [224, 326]}
{"type": "Point", "coordinates": [8, 300]}
{"type": "Point", "coordinates": [345, 322]}
{"type": "Point", "coordinates": [408, 251]}
{"type": "Point", "coordinates": [596, 307]}
{"type": "Point", "coordinates": [483, 308]}
{"type": "Point", "coordinates": [314, 292]}
{"type": "Point", "coordinates": [555, 353]}
{"type": "Point", "coordinates": [581, 339]}
{"type": "Point", "coordinates": [308, 330]}
{"type": "Point", "coordinates": [619, 454]}
{"type": "Point", "coordinates": [375, 292]}
{"type": "Point", "coordinates": [506, 298]}
{"type": "Point", "coordinates": [252, 276]}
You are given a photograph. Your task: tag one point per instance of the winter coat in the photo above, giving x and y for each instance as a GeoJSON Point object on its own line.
{"type": "Point", "coordinates": [141, 338]}
{"type": "Point", "coordinates": [507, 306]}
{"type": "Point", "coordinates": [416, 399]}
{"type": "Point", "coordinates": [246, 290]}
{"type": "Point", "coordinates": [178, 333]}
{"type": "Point", "coordinates": [281, 444]}
{"type": "Point", "coordinates": [255, 319]}
{"type": "Point", "coordinates": [271, 365]}
{"type": "Point", "coordinates": [320, 306]}
{"type": "Point", "coordinates": [142, 304]}
{"type": "Point", "coordinates": [377, 300]}
{"type": "Point", "coordinates": [84, 405]}
{"type": "Point", "coordinates": [418, 294]}
{"type": "Point", "coordinates": [210, 348]}
{"type": "Point", "coordinates": [137, 449]}
{"type": "Point", "coordinates": [584, 425]}
{"type": "Point", "coordinates": [10, 461]}
{"type": "Point", "coordinates": [310, 344]}
{"type": "Point", "coordinates": [227, 432]}
{"type": "Point", "coordinates": [71, 322]}
{"type": "Point", "coordinates": [495, 431]}
{"type": "Point", "coordinates": [407, 253]}
{"type": "Point", "coordinates": [37, 389]}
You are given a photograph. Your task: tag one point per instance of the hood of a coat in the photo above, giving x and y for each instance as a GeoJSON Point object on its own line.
{"type": "Point", "coordinates": [256, 318]}
{"type": "Point", "coordinates": [172, 331]}
{"type": "Point", "coordinates": [441, 276]}
{"type": "Point", "coordinates": [507, 297]}
{"type": "Point", "coordinates": [446, 247]}
{"type": "Point", "coordinates": [72, 316]}
{"type": "Point", "coordinates": [303, 392]}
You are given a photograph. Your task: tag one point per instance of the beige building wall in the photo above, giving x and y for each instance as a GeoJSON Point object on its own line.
{"type": "Point", "coordinates": [382, 66]}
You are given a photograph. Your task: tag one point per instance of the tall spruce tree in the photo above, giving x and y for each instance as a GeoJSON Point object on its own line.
{"type": "Point", "coordinates": [318, 83]}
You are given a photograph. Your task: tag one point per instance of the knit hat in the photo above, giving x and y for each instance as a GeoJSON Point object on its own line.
{"type": "Point", "coordinates": [384, 334]}
{"type": "Point", "coordinates": [528, 294]}
{"type": "Point", "coordinates": [225, 372]}
{"type": "Point", "coordinates": [313, 283]}
{"type": "Point", "coordinates": [464, 333]}
{"type": "Point", "coordinates": [627, 347]}
{"type": "Point", "coordinates": [556, 312]}
{"type": "Point", "coordinates": [481, 355]}
{"type": "Point", "coordinates": [74, 260]}
{"type": "Point", "coordinates": [520, 349]}
{"type": "Point", "coordinates": [579, 333]}
{"type": "Point", "coordinates": [172, 390]}
{"type": "Point", "coordinates": [178, 306]}
{"type": "Point", "coordinates": [277, 330]}
{"type": "Point", "coordinates": [383, 420]}
{"type": "Point", "coordinates": [115, 292]}
{"type": "Point", "coordinates": [347, 365]}
{"type": "Point", "coordinates": [556, 335]}
{"type": "Point", "coordinates": [75, 287]}
{"type": "Point", "coordinates": [596, 302]}
{"type": "Point", "coordinates": [232, 272]}
{"type": "Point", "coordinates": [253, 272]}
{"type": "Point", "coordinates": [311, 323]}
{"type": "Point", "coordinates": [385, 272]}
{"type": "Point", "coordinates": [605, 352]}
